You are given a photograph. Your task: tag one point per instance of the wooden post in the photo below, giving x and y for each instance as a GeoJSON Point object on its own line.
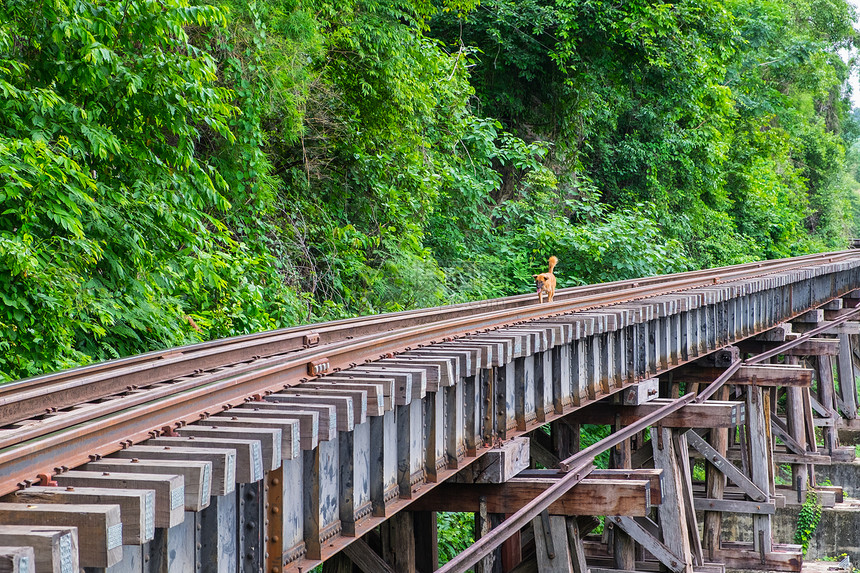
{"type": "Point", "coordinates": [715, 484]}
{"type": "Point", "coordinates": [826, 395]}
{"type": "Point", "coordinates": [758, 425]}
{"type": "Point", "coordinates": [340, 563]}
{"type": "Point", "coordinates": [845, 372]}
{"type": "Point", "coordinates": [673, 519]}
{"type": "Point", "coordinates": [624, 548]}
{"type": "Point", "coordinates": [551, 543]}
{"type": "Point", "coordinates": [796, 422]}
{"type": "Point", "coordinates": [577, 550]}
{"type": "Point", "coordinates": [512, 551]}
{"type": "Point", "coordinates": [398, 542]}
{"type": "Point", "coordinates": [482, 528]}
{"type": "Point", "coordinates": [426, 541]}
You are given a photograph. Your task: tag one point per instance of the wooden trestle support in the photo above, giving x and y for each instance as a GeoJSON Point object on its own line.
{"type": "Point", "coordinates": [350, 468]}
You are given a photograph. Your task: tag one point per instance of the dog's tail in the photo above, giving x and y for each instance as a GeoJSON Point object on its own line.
{"type": "Point", "coordinates": [553, 261]}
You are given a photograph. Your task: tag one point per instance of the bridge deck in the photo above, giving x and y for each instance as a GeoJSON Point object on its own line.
{"type": "Point", "coordinates": [347, 464]}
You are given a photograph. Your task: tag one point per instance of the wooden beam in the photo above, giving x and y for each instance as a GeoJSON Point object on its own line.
{"type": "Point", "coordinates": [365, 558]}
{"type": "Point", "coordinates": [848, 327]}
{"type": "Point", "coordinates": [742, 556]}
{"type": "Point", "coordinates": [577, 551]}
{"type": "Point", "coordinates": [499, 464]}
{"type": "Point", "coordinates": [711, 414]}
{"type": "Point", "coordinates": [734, 506]}
{"type": "Point", "coordinates": [728, 468]}
{"type": "Point", "coordinates": [759, 375]}
{"type": "Point", "coordinates": [654, 477]}
{"type": "Point", "coordinates": [781, 457]}
{"type": "Point", "coordinates": [589, 497]}
{"type": "Point", "coordinates": [809, 347]}
{"type": "Point", "coordinates": [649, 542]}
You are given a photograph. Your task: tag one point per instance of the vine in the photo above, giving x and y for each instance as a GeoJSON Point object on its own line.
{"type": "Point", "coordinates": [807, 520]}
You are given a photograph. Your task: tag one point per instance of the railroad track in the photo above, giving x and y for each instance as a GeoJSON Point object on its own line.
{"type": "Point", "coordinates": [60, 420]}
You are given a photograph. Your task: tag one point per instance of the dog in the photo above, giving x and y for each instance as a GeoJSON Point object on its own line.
{"type": "Point", "coordinates": [546, 281]}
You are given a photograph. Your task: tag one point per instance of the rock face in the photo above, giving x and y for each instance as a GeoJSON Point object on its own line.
{"type": "Point", "coordinates": [845, 474]}
{"type": "Point", "coordinates": [838, 530]}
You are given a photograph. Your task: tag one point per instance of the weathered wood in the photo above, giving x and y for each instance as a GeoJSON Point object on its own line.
{"type": "Point", "coordinates": [737, 555]}
{"type": "Point", "coordinates": [551, 545]}
{"type": "Point", "coordinates": [269, 438]}
{"type": "Point", "coordinates": [482, 528]}
{"type": "Point", "coordinates": [650, 543]}
{"type": "Point", "coordinates": [682, 451]}
{"type": "Point", "coordinates": [365, 558]}
{"type": "Point", "coordinates": [426, 541]}
{"type": "Point", "coordinates": [380, 392]}
{"type": "Point", "coordinates": [827, 398]}
{"type": "Point", "coordinates": [726, 467]}
{"type": "Point", "coordinates": [623, 547]}
{"type": "Point", "coordinates": [55, 548]}
{"type": "Point", "coordinates": [449, 371]}
{"type": "Point", "coordinates": [848, 327]}
{"type": "Point", "coordinates": [711, 414]}
{"type": "Point", "coordinates": [673, 520]}
{"type": "Point", "coordinates": [577, 551]}
{"type": "Point", "coordinates": [734, 506]}
{"type": "Point", "coordinates": [715, 483]}
{"type": "Point", "coordinates": [795, 420]}
{"type": "Point", "coordinates": [776, 334]}
{"type": "Point", "coordinates": [248, 453]}
{"type": "Point", "coordinates": [565, 437]}
{"type": "Point", "coordinates": [99, 527]}
{"type": "Point", "coordinates": [290, 447]}
{"type": "Point", "coordinates": [813, 316]}
{"type": "Point", "coordinates": [223, 462]}
{"type": "Point", "coordinates": [845, 374]}
{"type": "Point", "coordinates": [344, 406]}
{"type": "Point", "coordinates": [137, 506]}
{"type": "Point", "coordinates": [760, 375]}
{"type": "Point", "coordinates": [592, 496]}
{"type": "Point", "coordinates": [758, 413]}
{"type": "Point", "coordinates": [809, 347]}
{"type": "Point", "coordinates": [169, 490]}
{"type": "Point", "coordinates": [357, 397]}
{"type": "Point", "coordinates": [17, 559]}
{"type": "Point", "coordinates": [640, 392]}
{"type": "Point", "coordinates": [326, 423]}
{"type": "Point", "coordinates": [499, 464]}
{"type": "Point", "coordinates": [197, 475]}
{"type": "Point", "coordinates": [652, 475]}
{"type": "Point", "coordinates": [340, 563]}
{"type": "Point", "coordinates": [398, 542]}
{"type": "Point", "coordinates": [410, 383]}
{"type": "Point", "coordinates": [780, 457]}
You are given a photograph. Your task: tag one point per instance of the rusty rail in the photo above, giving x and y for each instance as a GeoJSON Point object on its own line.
{"type": "Point", "coordinates": [70, 438]}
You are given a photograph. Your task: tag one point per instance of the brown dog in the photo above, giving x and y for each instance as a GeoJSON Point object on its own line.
{"type": "Point", "coordinates": [546, 281]}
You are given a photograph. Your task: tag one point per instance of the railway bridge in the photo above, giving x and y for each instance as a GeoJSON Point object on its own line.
{"type": "Point", "coordinates": [337, 443]}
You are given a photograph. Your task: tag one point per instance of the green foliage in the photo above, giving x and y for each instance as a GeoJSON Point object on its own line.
{"type": "Point", "coordinates": [112, 238]}
{"type": "Point", "coordinates": [807, 519]}
{"type": "Point", "coordinates": [190, 169]}
{"type": "Point", "coordinates": [456, 532]}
